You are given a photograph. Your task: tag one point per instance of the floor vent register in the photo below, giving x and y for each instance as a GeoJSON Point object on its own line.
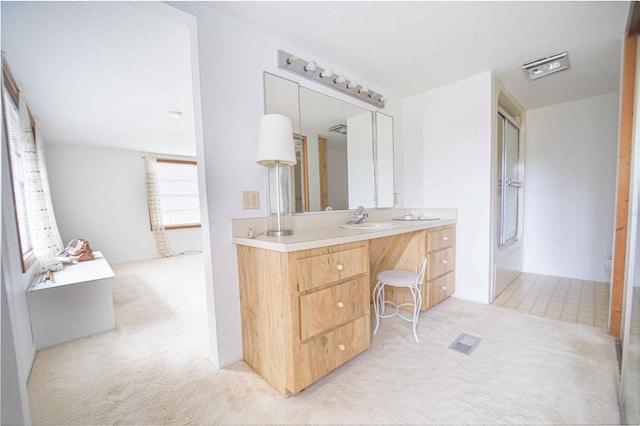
{"type": "Point", "coordinates": [465, 343]}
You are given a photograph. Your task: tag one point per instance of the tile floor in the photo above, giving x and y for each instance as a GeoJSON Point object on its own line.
{"type": "Point", "coordinates": [564, 299]}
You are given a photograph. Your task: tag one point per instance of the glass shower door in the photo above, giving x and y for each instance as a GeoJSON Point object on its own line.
{"type": "Point", "coordinates": [510, 183]}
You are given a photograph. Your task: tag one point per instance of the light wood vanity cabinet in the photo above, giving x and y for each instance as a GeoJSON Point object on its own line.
{"type": "Point", "coordinates": [441, 257]}
{"type": "Point", "coordinates": [405, 251]}
{"type": "Point", "coordinates": [304, 313]}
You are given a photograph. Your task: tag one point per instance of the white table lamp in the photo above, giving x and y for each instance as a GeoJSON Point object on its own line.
{"type": "Point", "coordinates": [276, 151]}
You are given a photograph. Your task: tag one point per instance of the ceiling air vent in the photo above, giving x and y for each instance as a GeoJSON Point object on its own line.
{"type": "Point", "coordinates": [544, 67]}
{"type": "Point", "coordinates": [339, 128]}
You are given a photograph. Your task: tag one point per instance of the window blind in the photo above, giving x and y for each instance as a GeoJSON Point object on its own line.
{"type": "Point", "coordinates": [16, 157]}
{"type": "Point", "coordinates": [178, 193]}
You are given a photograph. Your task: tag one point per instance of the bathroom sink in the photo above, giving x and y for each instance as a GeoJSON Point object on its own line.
{"type": "Point", "coordinates": [370, 225]}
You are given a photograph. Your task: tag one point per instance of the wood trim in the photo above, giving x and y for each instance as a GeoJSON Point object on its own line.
{"type": "Point", "coordinates": [10, 82]}
{"type": "Point", "coordinates": [624, 175]}
{"type": "Point", "coordinates": [28, 260]}
{"type": "Point", "coordinates": [14, 92]}
{"type": "Point", "coordinates": [304, 160]}
{"type": "Point", "coordinates": [322, 165]}
{"type": "Point", "coordinates": [634, 19]}
{"type": "Point", "coordinates": [305, 173]}
{"type": "Point", "coordinates": [169, 160]}
{"type": "Point", "coordinates": [193, 225]}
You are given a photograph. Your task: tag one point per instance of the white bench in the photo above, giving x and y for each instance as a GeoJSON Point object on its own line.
{"type": "Point", "coordinates": [75, 303]}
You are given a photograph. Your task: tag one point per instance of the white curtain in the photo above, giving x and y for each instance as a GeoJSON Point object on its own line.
{"type": "Point", "coordinates": [155, 210]}
{"type": "Point", "coordinates": [45, 236]}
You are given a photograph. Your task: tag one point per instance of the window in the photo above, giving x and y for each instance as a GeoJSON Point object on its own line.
{"type": "Point", "coordinates": [178, 193]}
{"type": "Point", "coordinates": [16, 162]}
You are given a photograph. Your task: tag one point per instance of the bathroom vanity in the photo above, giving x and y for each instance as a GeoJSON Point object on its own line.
{"type": "Point", "coordinates": [306, 298]}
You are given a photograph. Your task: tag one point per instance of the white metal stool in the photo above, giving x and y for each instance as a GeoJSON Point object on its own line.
{"type": "Point", "coordinates": [403, 279]}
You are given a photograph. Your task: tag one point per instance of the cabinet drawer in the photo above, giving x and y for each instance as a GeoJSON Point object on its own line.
{"type": "Point", "coordinates": [441, 238]}
{"type": "Point", "coordinates": [327, 268]}
{"type": "Point", "coordinates": [441, 288]}
{"type": "Point", "coordinates": [441, 262]}
{"type": "Point", "coordinates": [324, 309]}
{"type": "Point", "coordinates": [328, 351]}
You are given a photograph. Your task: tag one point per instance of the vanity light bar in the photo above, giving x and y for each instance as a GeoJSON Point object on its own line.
{"type": "Point", "coordinates": [312, 71]}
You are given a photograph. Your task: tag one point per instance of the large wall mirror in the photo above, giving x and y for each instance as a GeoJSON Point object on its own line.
{"type": "Point", "coordinates": [344, 152]}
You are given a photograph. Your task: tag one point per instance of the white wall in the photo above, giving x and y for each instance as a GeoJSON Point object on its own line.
{"type": "Point", "coordinates": [100, 194]}
{"type": "Point", "coordinates": [570, 173]}
{"type": "Point", "coordinates": [447, 164]}
{"type": "Point", "coordinates": [18, 349]}
{"type": "Point", "coordinates": [230, 57]}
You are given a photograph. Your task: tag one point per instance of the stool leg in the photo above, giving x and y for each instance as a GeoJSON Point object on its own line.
{"type": "Point", "coordinates": [376, 304]}
{"type": "Point", "coordinates": [417, 302]}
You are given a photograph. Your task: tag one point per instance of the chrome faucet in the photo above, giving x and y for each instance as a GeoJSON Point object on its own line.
{"type": "Point", "coordinates": [358, 216]}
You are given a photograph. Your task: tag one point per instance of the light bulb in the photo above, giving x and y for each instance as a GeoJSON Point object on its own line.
{"type": "Point", "coordinates": [554, 65]}
{"type": "Point", "coordinates": [291, 60]}
{"type": "Point", "coordinates": [339, 79]}
{"type": "Point", "coordinates": [352, 85]}
{"type": "Point", "coordinates": [326, 73]}
{"type": "Point", "coordinates": [363, 90]}
{"type": "Point", "coordinates": [311, 66]}
{"type": "Point", "coordinates": [383, 98]}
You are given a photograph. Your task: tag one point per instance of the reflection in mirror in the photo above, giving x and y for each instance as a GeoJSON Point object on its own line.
{"type": "Point", "coordinates": [336, 163]}
{"type": "Point", "coordinates": [284, 99]}
{"type": "Point", "coordinates": [339, 160]}
{"type": "Point", "coordinates": [384, 163]}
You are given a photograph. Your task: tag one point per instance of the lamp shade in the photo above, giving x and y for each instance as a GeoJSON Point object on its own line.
{"type": "Point", "coordinates": [275, 144]}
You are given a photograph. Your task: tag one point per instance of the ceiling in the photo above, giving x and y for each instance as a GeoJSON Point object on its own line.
{"type": "Point", "coordinates": [410, 47]}
{"type": "Point", "coordinates": [103, 74]}
{"type": "Point", "coordinates": [108, 73]}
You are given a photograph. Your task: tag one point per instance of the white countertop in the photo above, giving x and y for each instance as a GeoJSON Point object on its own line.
{"type": "Point", "coordinates": [77, 272]}
{"type": "Point", "coordinates": [305, 239]}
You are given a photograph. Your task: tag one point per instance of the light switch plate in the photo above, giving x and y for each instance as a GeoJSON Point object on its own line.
{"type": "Point", "coordinates": [250, 200]}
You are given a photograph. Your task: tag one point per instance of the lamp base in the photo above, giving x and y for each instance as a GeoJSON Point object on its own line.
{"type": "Point", "coordinates": [281, 233]}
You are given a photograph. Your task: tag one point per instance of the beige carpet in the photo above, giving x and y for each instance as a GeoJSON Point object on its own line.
{"type": "Point", "coordinates": [154, 368]}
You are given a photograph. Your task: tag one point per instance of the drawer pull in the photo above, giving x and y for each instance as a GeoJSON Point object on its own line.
{"type": "Point", "coordinates": [444, 261]}
{"type": "Point", "coordinates": [340, 267]}
{"type": "Point", "coordinates": [340, 305]}
{"type": "Point", "coordinates": [342, 346]}
{"type": "Point", "coordinates": [445, 238]}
